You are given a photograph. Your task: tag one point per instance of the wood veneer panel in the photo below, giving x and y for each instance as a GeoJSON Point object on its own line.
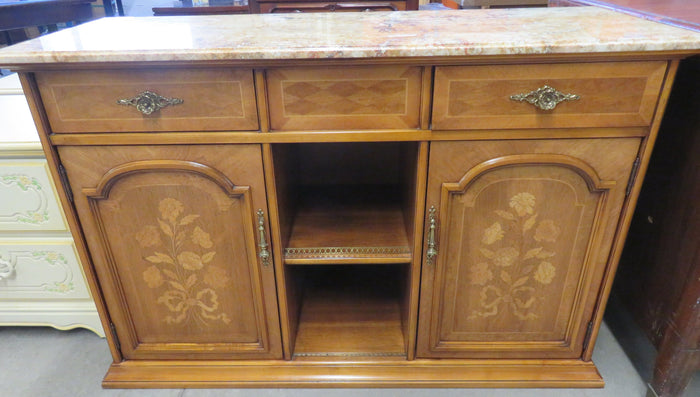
{"type": "Point", "coordinates": [524, 243]}
{"type": "Point", "coordinates": [171, 231]}
{"type": "Point", "coordinates": [613, 94]}
{"type": "Point", "coordinates": [344, 98]}
{"type": "Point", "coordinates": [86, 101]}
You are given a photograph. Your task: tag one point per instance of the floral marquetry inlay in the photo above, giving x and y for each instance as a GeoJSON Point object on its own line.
{"type": "Point", "coordinates": [181, 249]}
{"type": "Point", "coordinates": [515, 259]}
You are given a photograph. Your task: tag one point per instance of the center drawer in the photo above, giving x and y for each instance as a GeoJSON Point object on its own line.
{"type": "Point", "coordinates": [193, 100]}
{"type": "Point", "coordinates": [609, 94]}
{"type": "Point", "coordinates": [347, 98]}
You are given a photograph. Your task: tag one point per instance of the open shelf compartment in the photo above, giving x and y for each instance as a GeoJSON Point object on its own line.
{"type": "Point", "coordinates": [349, 311]}
{"type": "Point", "coordinates": [349, 203]}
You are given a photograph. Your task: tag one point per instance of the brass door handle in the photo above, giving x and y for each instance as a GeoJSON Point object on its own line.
{"type": "Point", "coordinates": [432, 250]}
{"type": "Point", "coordinates": [545, 98]}
{"type": "Point", "coordinates": [148, 102]}
{"type": "Point", "coordinates": [264, 253]}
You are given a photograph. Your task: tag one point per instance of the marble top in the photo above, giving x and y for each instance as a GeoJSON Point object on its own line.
{"type": "Point", "coordinates": [352, 35]}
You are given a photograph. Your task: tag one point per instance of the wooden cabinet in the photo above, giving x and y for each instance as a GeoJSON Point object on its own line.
{"type": "Point", "coordinates": [191, 283]}
{"type": "Point", "coordinates": [523, 236]}
{"type": "Point", "coordinates": [346, 234]}
{"type": "Point", "coordinates": [342, 217]}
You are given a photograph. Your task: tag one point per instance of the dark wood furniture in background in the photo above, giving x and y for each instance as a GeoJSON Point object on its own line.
{"type": "Point", "coordinates": [211, 10]}
{"type": "Point", "coordinates": [15, 14]}
{"type": "Point", "coordinates": [286, 6]}
{"type": "Point", "coordinates": [659, 275]}
{"type": "Point", "coordinates": [499, 3]}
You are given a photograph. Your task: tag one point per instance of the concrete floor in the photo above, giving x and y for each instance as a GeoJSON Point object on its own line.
{"type": "Point", "coordinates": [45, 362]}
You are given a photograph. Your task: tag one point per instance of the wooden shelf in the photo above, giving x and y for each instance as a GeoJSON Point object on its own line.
{"type": "Point", "coordinates": [348, 314]}
{"type": "Point", "coordinates": [343, 225]}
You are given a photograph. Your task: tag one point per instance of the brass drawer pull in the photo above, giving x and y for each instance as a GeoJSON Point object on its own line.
{"type": "Point", "coordinates": [264, 254]}
{"type": "Point", "coordinates": [148, 102]}
{"type": "Point", "coordinates": [432, 251]}
{"type": "Point", "coordinates": [545, 98]}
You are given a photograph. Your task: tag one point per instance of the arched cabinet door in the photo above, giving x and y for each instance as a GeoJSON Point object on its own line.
{"type": "Point", "coordinates": [523, 231]}
{"type": "Point", "coordinates": [173, 235]}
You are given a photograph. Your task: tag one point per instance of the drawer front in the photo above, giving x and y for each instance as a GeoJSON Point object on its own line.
{"type": "Point", "coordinates": [40, 270]}
{"type": "Point", "coordinates": [348, 98]}
{"type": "Point", "coordinates": [28, 198]}
{"type": "Point", "coordinates": [616, 94]}
{"type": "Point", "coordinates": [212, 100]}
{"type": "Point", "coordinates": [286, 7]}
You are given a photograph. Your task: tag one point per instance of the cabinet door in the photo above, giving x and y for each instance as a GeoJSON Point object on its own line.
{"type": "Point", "coordinates": [523, 234]}
{"type": "Point", "coordinates": [172, 231]}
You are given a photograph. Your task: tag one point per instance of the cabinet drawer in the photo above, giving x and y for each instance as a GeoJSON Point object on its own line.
{"type": "Point", "coordinates": [346, 98]}
{"type": "Point", "coordinates": [28, 198]}
{"type": "Point", "coordinates": [40, 269]}
{"type": "Point", "coordinates": [212, 100]}
{"type": "Point", "coordinates": [286, 7]}
{"type": "Point", "coordinates": [615, 94]}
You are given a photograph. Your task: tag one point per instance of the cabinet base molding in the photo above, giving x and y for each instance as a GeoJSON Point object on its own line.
{"type": "Point", "coordinates": [417, 373]}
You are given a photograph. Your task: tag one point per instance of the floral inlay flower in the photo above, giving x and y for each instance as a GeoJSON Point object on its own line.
{"type": "Point", "coordinates": [149, 236]}
{"type": "Point", "coordinates": [514, 260]}
{"type": "Point", "coordinates": [170, 209]}
{"type": "Point", "coordinates": [190, 261]}
{"type": "Point", "coordinates": [480, 274]}
{"type": "Point", "coordinates": [523, 203]}
{"type": "Point", "coordinates": [177, 268]}
{"type": "Point", "coordinates": [153, 277]}
{"type": "Point", "coordinates": [201, 237]}
{"type": "Point", "coordinates": [545, 273]}
{"type": "Point", "coordinates": [547, 231]}
{"type": "Point", "coordinates": [492, 234]}
{"type": "Point", "coordinates": [505, 256]}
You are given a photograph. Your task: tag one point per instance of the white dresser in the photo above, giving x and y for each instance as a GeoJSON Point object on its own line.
{"type": "Point", "coordinates": [41, 280]}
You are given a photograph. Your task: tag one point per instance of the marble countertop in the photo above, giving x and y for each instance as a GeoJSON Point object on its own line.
{"type": "Point", "coordinates": [352, 35]}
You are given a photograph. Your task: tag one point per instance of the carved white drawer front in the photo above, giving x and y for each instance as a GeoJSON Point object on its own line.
{"type": "Point", "coordinates": [28, 197]}
{"type": "Point", "coordinates": [40, 269]}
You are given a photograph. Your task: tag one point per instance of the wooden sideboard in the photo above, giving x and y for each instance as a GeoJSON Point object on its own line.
{"type": "Point", "coordinates": [425, 220]}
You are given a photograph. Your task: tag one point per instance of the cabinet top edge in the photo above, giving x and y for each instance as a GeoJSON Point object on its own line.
{"type": "Point", "coordinates": [331, 36]}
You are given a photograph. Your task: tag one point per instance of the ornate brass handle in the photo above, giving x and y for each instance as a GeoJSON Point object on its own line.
{"type": "Point", "coordinates": [148, 102]}
{"type": "Point", "coordinates": [545, 98]}
{"type": "Point", "coordinates": [432, 251]}
{"type": "Point", "coordinates": [264, 254]}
